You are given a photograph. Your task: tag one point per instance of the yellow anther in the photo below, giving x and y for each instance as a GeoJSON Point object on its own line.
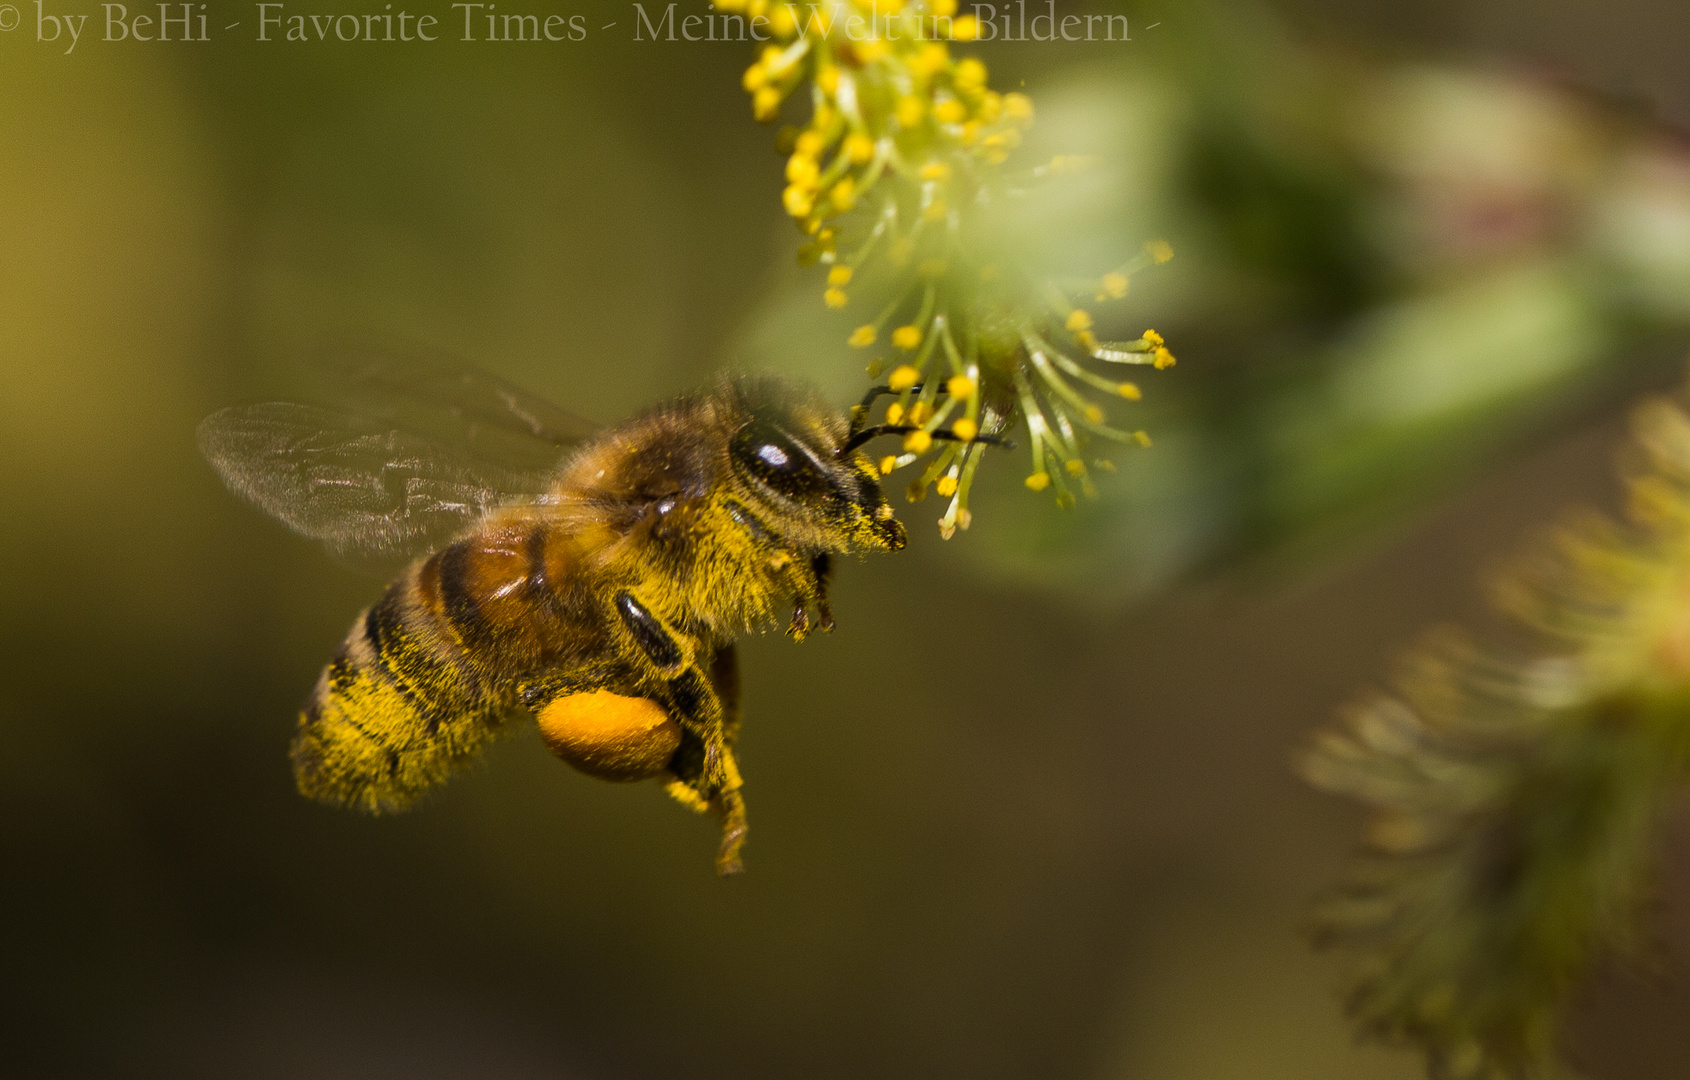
{"type": "Point", "coordinates": [1038, 481]}
{"type": "Point", "coordinates": [765, 104]}
{"type": "Point", "coordinates": [810, 144]}
{"type": "Point", "coordinates": [1115, 285]}
{"type": "Point", "coordinates": [835, 298]}
{"type": "Point", "coordinates": [916, 492]}
{"type": "Point", "coordinates": [755, 76]}
{"type": "Point", "coordinates": [1087, 340]}
{"type": "Point", "coordinates": [756, 7]}
{"type": "Point", "coordinates": [887, 464]}
{"type": "Point", "coordinates": [1142, 438]}
{"type": "Point", "coordinates": [960, 386]}
{"type": "Point", "coordinates": [1075, 467]}
{"type": "Point", "coordinates": [828, 79]}
{"type": "Point", "coordinates": [930, 59]}
{"type": "Point", "coordinates": [839, 275]}
{"type": "Point", "coordinates": [965, 28]}
{"type": "Point", "coordinates": [970, 74]}
{"type": "Point", "coordinates": [1164, 358]}
{"type": "Point", "coordinates": [935, 170]}
{"type": "Point", "coordinates": [907, 338]}
{"type": "Point", "coordinates": [862, 337]}
{"type": "Point", "coordinates": [918, 442]}
{"type": "Point", "coordinates": [950, 111]}
{"type": "Point", "coordinates": [1160, 250]}
{"type": "Point", "coordinates": [1018, 106]}
{"type": "Point", "coordinates": [782, 21]}
{"type": "Point", "coordinates": [859, 148]}
{"type": "Point", "coordinates": [801, 169]}
{"type": "Point", "coordinates": [797, 201]}
{"type": "Point", "coordinates": [1130, 391]}
{"type": "Point", "coordinates": [1093, 414]}
{"type": "Point", "coordinates": [870, 50]}
{"type": "Point", "coordinates": [894, 414]}
{"type": "Point", "coordinates": [825, 239]}
{"type": "Point", "coordinates": [920, 412]}
{"type": "Point", "coordinates": [1153, 337]}
{"type": "Point", "coordinates": [1078, 319]}
{"type": "Point", "coordinates": [946, 487]}
{"type": "Point", "coordinates": [731, 5]}
{"type": "Point", "coordinates": [910, 110]}
{"type": "Point", "coordinates": [902, 378]}
{"type": "Point", "coordinates": [965, 429]}
{"type": "Point", "coordinates": [943, 9]}
{"type": "Point", "coordinates": [844, 194]}
{"type": "Point", "coordinates": [970, 133]}
{"type": "Point", "coordinates": [875, 367]}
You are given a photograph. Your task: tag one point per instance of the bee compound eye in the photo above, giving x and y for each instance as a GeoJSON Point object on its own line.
{"type": "Point", "coordinates": [765, 451]}
{"type": "Point", "coordinates": [610, 736]}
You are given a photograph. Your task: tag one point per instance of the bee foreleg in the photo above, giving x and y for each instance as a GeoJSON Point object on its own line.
{"type": "Point", "coordinates": [808, 582]}
{"type": "Point", "coordinates": [799, 628]}
{"type": "Point", "coordinates": [822, 567]}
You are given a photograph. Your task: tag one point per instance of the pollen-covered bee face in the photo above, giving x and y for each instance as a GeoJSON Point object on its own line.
{"type": "Point", "coordinates": [796, 470]}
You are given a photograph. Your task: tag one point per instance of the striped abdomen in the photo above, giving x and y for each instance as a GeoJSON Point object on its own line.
{"type": "Point", "coordinates": [428, 674]}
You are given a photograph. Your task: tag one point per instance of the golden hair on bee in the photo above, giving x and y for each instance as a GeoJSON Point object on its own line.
{"type": "Point", "coordinates": [604, 598]}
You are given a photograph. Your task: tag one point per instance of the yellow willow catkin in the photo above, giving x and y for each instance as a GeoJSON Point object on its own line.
{"type": "Point", "coordinates": [896, 177]}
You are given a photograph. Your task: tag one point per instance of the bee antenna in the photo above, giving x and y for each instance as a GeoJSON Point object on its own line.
{"type": "Point", "coordinates": [860, 411]}
{"type": "Point", "coordinates": [943, 435]}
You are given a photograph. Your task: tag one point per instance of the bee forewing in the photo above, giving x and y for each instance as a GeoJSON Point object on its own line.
{"type": "Point", "coordinates": [360, 486]}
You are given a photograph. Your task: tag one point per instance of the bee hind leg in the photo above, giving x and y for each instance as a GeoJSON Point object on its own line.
{"type": "Point", "coordinates": [731, 806]}
{"type": "Point", "coordinates": [706, 776]}
{"type": "Point", "coordinates": [694, 762]}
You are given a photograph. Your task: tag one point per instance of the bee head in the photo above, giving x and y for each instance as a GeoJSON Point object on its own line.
{"type": "Point", "coordinates": [787, 454]}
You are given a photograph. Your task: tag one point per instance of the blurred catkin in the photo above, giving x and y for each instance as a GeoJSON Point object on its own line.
{"type": "Point", "coordinates": [898, 178]}
{"type": "Point", "coordinates": [1517, 791]}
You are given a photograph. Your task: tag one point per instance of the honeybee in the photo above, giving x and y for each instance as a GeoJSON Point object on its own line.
{"type": "Point", "coordinates": [599, 587]}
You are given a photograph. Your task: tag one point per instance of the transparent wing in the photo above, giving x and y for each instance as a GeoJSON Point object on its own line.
{"type": "Point", "coordinates": [439, 393]}
{"type": "Point", "coordinates": [360, 485]}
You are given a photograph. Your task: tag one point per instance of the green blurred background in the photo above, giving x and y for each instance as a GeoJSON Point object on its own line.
{"type": "Point", "coordinates": [1028, 812]}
